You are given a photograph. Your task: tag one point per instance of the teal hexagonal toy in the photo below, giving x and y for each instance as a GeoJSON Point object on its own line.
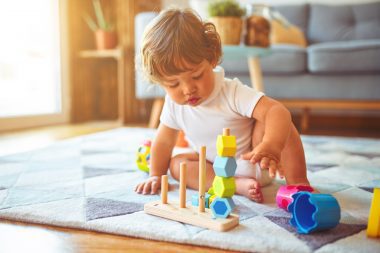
{"type": "Point", "coordinates": [225, 166]}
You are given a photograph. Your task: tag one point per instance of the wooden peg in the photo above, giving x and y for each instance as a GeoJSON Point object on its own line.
{"type": "Point", "coordinates": [164, 189]}
{"type": "Point", "coordinates": [226, 131]}
{"type": "Point", "coordinates": [202, 179]}
{"type": "Point", "coordinates": [182, 185]}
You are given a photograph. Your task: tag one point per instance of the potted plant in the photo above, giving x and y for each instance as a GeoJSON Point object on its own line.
{"type": "Point", "coordinates": [105, 35]}
{"type": "Point", "coordinates": [227, 18]}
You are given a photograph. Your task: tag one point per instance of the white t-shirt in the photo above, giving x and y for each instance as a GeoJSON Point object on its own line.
{"type": "Point", "coordinates": [229, 105]}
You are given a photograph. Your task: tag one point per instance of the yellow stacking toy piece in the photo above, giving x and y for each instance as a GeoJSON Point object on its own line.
{"type": "Point", "coordinates": [226, 144]}
{"type": "Point", "coordinates": [211, 191]}
{"type": "Point", "coordinates": [224, 187]}
{"type": "Point", "coordinates": [373, 228]}
{"type": "Point", "coordinates": [211, 199]}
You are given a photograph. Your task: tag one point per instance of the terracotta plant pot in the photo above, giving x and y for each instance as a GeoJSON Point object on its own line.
{"type": "Point", "coordinates": [105, 39]}
{"type": "Point", "coordinates": [229, 29]}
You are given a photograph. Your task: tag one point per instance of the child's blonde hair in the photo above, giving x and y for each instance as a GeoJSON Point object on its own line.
{"type": "Point", "coordinates": [176, 38]}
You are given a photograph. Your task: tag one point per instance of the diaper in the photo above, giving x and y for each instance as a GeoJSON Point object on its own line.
{"type": "Point", "coordinates": [247, 169]}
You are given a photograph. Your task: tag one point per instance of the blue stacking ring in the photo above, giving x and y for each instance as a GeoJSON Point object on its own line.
{"type": "Point", "coordinates": [314, 212]}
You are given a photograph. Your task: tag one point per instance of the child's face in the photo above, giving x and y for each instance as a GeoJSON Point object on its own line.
{"type": "Point", "coordinates": [191, 87]}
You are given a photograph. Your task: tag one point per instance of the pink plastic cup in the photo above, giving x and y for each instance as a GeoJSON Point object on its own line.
{"type": "Point", "coordinates": [284, 194]}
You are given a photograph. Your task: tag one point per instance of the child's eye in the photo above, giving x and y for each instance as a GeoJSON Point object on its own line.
{"type": "Point", "coordinates": [173, 85]}
{"type": "Point", "coordinates": [198, 76]}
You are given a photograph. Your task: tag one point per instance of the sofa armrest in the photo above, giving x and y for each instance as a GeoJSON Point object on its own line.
{"type": "Point", "coordinates": [143, 88]}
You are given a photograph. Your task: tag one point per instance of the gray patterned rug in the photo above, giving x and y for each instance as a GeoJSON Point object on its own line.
{"type": "Point", "coordinates": [88, 182]}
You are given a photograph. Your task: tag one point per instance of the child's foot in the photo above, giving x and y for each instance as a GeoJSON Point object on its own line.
{"type": "Point", "coordinates": [250, 188]}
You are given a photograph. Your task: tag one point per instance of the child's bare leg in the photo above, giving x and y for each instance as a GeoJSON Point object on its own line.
{"type": "Point", "coordinates": [192, 163]}
{"type": "Point", "coordinates": [293, 159]}
{"type": "Point", "coordinates": [248, 186]}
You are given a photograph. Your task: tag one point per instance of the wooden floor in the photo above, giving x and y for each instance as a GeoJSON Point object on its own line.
{"type": "Point", "coordinates": [23, 237]}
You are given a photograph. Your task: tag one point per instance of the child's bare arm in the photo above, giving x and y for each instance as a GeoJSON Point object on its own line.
{"type": "Point", "coordinates": [277, 121]}
{"type": "Point", "coordinates": [161, 153]}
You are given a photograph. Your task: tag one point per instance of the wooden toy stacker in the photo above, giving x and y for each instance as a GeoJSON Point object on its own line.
{"type": "Point", "coordinates": [198, 216]}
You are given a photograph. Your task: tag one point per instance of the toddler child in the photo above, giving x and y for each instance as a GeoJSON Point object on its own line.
{"type": "Point", "coordinates": [181, 53]}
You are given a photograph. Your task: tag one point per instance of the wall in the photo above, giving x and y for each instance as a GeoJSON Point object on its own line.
{"type": "Point", "coordinates": [94, 89]}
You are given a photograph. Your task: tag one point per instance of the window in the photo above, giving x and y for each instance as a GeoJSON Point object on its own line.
{"type": "Point", "coordinates": [32, 90]}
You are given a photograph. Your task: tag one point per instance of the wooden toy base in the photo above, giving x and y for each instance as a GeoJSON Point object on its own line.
{"type": "Point", "coordinates": [191, 216]}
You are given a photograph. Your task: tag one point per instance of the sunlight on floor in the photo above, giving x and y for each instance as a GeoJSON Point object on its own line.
{"type": "Point", "coordinates": [26, 140]}
{"type": "Point", "coordinates": [33, 240]}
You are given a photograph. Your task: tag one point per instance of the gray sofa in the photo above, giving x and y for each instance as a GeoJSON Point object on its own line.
{"type": "Point", "coordinates": [341, 62]}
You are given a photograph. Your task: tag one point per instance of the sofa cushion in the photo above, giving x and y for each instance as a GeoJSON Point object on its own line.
{"type": "Point", "coordinates": [297, 15]}
{"type": "Point", "coordinates": [284, 59]}
{"type": "Point", "coordinates": [344, 22]}
{"type": "Point", "coordinates": [348, 56]}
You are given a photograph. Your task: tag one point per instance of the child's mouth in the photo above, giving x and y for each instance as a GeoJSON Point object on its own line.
{"type": "Point", "coordinates": [193, 101]}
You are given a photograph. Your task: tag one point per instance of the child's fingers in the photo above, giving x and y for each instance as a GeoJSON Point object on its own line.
{"type": "Point", "coordinates": [281, 171]}
{"type": "Point", "coordinates": [154, 187]}
{"type": "Point", "coordinates": [256, 158]}
{"type": "Point", "coordinates": [247, 156]}
{"type": "Point", "coordinates": [139, 188]}
{"type": "Point", "coordinates": [147, 187]}
{"type": "Point", "coordinates": [272, 168]}
{"type": "Point", "coordinates": [264, 163]}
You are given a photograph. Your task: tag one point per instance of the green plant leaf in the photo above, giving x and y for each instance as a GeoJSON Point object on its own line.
{"type": "Point", "coordinates": [99, 15]}
{"type": "Point", "coordinates": [90, 22]}
{"type": "Point", "coordinates": [225, 8]}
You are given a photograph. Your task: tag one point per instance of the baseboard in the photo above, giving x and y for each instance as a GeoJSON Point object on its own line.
{"type": "Point", "coordinates": [360, 126]}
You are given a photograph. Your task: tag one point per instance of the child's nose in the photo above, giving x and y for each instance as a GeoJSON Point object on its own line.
{"type": "Point", "coordinates": [190, 88]}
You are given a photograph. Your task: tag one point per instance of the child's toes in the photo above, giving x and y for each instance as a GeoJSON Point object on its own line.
{"type": "Point", "coordinates": [255, 195]}
{"type": "Point", "coordinates": [255, 185]}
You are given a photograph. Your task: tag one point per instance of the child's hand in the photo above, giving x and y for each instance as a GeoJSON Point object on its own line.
{"type": "Point", "coordinates": [149, 186]}
{"type": "Point", "coordinates": [267, 156]}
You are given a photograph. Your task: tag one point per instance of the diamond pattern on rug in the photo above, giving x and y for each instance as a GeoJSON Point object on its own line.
{"type": "Point", "coordinates": [95, 172]}
{"type": "Point", "coordinates": [8, 181]}
{"type": "Point", "coordinates": [355, 201]}
{"type": "Point", "coordinates": [88, 183]}
{"type": "Point", "coordinates": [367, 155]}
{"type": "Point", "coordinates": [368, 186]}
{"type": "Point", "coordinates": [65, 212]}
{"type": "Point", "coordinates": [103, 208]}
{"type": "Point", "coordinates": [41, 178]}
{"type": "Point", "coordinates": [278, 212]}
{"type": "Point", "coordinates": [318, 239]}
{"type": "Point", "coordinates": [26, 195]}
{"type": "Point", "coordinates": [11, 168]}
{"type": "Point", "coordinates": [244, 212]}
{"type": "Point", "coordinates": [326, 185]}
{"type": "Point", "coordinates": [108, 161]}
{"type": "Point", "coordinates": [193, 230]}
{"type": "Point", "coordinates": [318, 167]}
{"type": "Point", "coordinates": [3, 195]}
{"type": "Point", "coordinates": [348, 175]}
